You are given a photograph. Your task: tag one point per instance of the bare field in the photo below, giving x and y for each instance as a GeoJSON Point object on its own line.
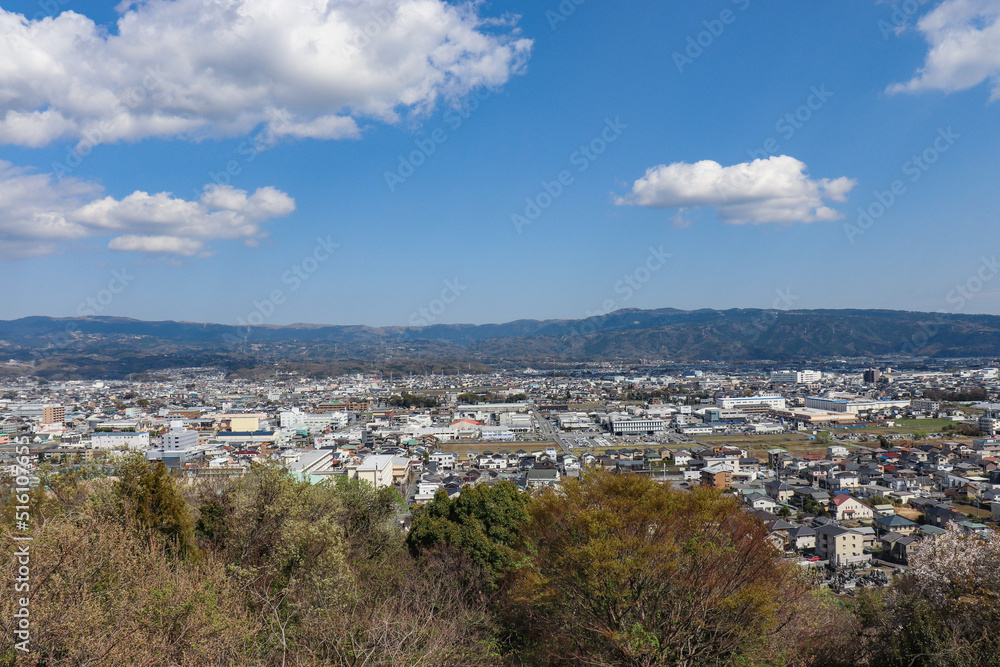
{"type": "Point", "coordinates": [477, 446]}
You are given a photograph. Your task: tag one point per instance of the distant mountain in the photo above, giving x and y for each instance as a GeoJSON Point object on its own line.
{"type": "Point", "coordinates": [90, 346]}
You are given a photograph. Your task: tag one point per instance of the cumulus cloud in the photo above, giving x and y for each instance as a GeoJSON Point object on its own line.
{"type": "Point", "coordinates": [39, 212]}
{"type": "Point", "coordinates": [775, 190]}
{"type": "Point", "coordinates": [964, 41]}
{"type": "Point", "coordinates": [218, 68]}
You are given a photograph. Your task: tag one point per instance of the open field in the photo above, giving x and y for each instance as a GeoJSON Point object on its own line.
{"type": "Point", "coordinates": [982, 514]}
{"type": "Point", "coordinates": [477, 446]}
{"type": "Point", "coordinates": [901, 426]}
{"type": "Point", "coordinates": [757, 445]}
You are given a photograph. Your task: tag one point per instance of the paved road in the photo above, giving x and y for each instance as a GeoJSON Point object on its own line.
{"type": "Point", "coordinates": [549, 431]}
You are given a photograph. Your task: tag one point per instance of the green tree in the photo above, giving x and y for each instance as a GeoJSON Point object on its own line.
{"type": "Point", "coordinates": [150, 502]}
{"type": "Point", "coordinates": [625, 571]}
{"type": "Point", "coordinates": [485, 523]}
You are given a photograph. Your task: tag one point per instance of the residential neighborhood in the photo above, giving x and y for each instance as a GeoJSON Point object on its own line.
{"type": "Point", "coordinates": [838, 466]}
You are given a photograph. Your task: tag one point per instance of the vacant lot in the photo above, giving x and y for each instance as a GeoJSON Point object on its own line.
{"type": "Point", "coordinates": [475, 446]}
{"type": "Point", "coordinates": [757, 445]}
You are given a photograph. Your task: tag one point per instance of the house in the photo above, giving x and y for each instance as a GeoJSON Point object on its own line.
{"type": "Point", "coordinates": [844, 480]}
{"type": "Point", "coordinates": [941, 515]}
{"type": "Point", "coordinates": [895, 524]}
{"type": "Point", "coordinates": [682, 457]}
{"type": "Point", "coordinates": [849, 508]}
{"type": "Point", "coordinates": [840, 546]}
{"type": "Point", "coordinates": [444, 460]}
{"type": "Point", "coordinates": [896, 547]}
{"type": "Point", "coordinates": [884, 510]}
{"type": "Point", "coordinates": [802, 538]}
{"type": "Point", "coordinates": [542, 477]}
{"type": "Point", "coordinates": [758, 501]}
{"type": "Point", "coordinates": [818, 495]}
{"type": "Point", "coordinates": [780, 491]}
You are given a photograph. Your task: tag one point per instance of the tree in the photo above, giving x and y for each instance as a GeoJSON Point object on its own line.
{"type": "Point", "coordinates": [151, 503]}
{"type": "Point", "coordinates": [624, 571]}
{"type": "Point", "coordinates": [945, 611]}
{"type": "Point", "coordinates": [485, 522]}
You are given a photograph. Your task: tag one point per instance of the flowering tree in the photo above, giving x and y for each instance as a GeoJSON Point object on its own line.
{"type": "Point", "coordinates": [957, 571]}
{"type": "Point", "coordinates": [947, 610]}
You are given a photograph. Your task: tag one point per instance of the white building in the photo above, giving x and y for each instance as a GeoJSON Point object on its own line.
{"type": "Point", "coordinates": [796, 377]}
{"type": "Point", "coordinates": [573, 420]}
{"type": "Point", "coordinates": [635, 425]}
{"type": "Point", "coordinates": [179, 446]}
{"type": "Point", "coordinates": [376, 470]}
{"type": "Point", "coordinates": [988, 423]}
{"type": "Point", "coordinates": [851, 407]}
{"type": "Point", "coordinates": [446, 460]}
{"type": "Point", "coordinates": [313, 423]}
{"type": "Point", "coordinates": [772, 401]}
{"type": "Point", "coordinates": [122, 440]}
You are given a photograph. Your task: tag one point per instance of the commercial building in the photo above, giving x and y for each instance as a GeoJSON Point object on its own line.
{"type": "Point", "coordinates": [771, 401]}
{"type": "Point", "coordinates": [179, 447]}
{"type": "Point", "coordinates": [122, 440]}
{"type": "Point", "coordinates": [796, 377]}
{"type": "Point", "coordinates": [313, 424]}
{"type": "Point", "coordinates": [851, 407]}
{"type": "Point", "coordinates": [635, 425]}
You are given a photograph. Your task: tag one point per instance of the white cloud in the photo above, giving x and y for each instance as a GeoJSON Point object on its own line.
{"type": "Point", "coordinates": [218, 68]}
{"type": "Point", "coordinates": [157, 244]}
{"type": "Point", "coordinates": [964, 41]}
{"type": "Point", "coordinates": [775, 190]}
{"type": "Point", "coordinates": [37, 213]}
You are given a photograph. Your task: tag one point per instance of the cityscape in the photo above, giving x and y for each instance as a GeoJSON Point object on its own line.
{"type": "Point", "coordinates": [866, 451]}
{"type": "Point", "coordinates": [465, 333]}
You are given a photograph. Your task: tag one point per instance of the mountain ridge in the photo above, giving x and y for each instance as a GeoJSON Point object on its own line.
{"type": "Point", "coordinates": [59, 345]}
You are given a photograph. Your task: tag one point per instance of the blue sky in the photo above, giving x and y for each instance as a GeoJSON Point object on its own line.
{"type": "Point", "coordinates": [673, 212]}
